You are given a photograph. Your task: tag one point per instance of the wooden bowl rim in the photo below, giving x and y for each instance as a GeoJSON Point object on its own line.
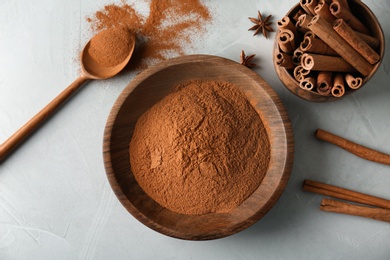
{"type": "Point", "coordinates": [284, 153]}
{"type": "Point", "coordinates": [313, 96]}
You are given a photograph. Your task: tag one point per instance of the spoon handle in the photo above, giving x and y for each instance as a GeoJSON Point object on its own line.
{"type": "Point", "coordinates": [33, 123]}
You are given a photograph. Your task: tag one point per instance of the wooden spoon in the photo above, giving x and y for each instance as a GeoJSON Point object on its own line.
{"type": "Point", "coordinates": [89, 70]}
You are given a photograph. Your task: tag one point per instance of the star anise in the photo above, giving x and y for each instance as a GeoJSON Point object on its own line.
{"type": "Point", "coordinates": [261, 25]}
{"type": "Point", "coordinates": [247, 60]}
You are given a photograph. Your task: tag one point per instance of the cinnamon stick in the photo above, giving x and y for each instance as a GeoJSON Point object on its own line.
{"type": "Point", "coordinates": [286, 41]}
{"type": "Point", "coordinates": [300, 73]}
{"type": "Point", "coordinates": [316, 45]}
{"type": "Point", "coordinates": [308, 83]}
{"type": "Point", "coordinates": [297, 14]}
{"type": "Point", "coordinates": [370, 40]}
{"type": "Point", "coordinates": [307, 5]}
{"type": "Point", "coordinates": [336, 206]}
{"type": "Point", "coordinates": [322, 9]}
{"type": "Point", "coordinates": [346, 32]}
{"type": "Point", "coordinates": [303, 21]}
{"type": "Point", "coordinates": [325, 31]}
{"type": "Point", "coordinates": [345, 194]}
{"type": "Point", "coordinates": [343, 3]}
{"type": "Point", "coordinates": [338, 88]}
{"type": "Point", "coordinates": [309, 34]}
{"type": "Point", "coordinates": [353, 82]}
{"type": "Point", "coordinates": [324, 83]}
{"type": "Point", "coordinates": [354, 148]}
{"type": "Point", "coordinates": [318, 62]}
{"type": "Point", "coordinates": [296, 58]}
{"type": "Point", "coordinates": [286, 24]}
{"type": "Point", "coordinates": [380, 212]}
{"type": "Point", "coordinates": [284, 60]}
{"type": "Point", "coordinates": [311, 4]}
{"type": "Point", "coordinates": [340, 12]}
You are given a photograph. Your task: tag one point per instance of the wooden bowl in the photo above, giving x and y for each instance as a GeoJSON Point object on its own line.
{"type": "Point", "coordinates": [148, 88]}
{"type": "Point", "coordinates": [363, 13]}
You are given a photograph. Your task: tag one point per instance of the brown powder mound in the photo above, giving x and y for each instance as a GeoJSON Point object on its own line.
{"type": "Point", "coordinates": [201, 149]}
{"type": "Point", "coordinates": [110, 47]}
{"type": "Point", "coordinates": [166, 31]}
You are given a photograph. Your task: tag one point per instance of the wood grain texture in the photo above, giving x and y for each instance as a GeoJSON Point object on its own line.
{"type": "Point", "coordinates": [151, 86]}
{"type": "Point", "coordinates": [363, 13]}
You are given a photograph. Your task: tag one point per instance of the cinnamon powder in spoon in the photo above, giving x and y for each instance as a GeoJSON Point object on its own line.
{"type": "Point", "coordinates": [110, 47]}
{"type": "Point", "coordinates": [201, 149]}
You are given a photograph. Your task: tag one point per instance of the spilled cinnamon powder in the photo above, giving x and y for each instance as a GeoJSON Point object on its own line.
{"type": "Point", "coordinates": [201, 149]}
{"type": "Point", "coordinates": [166, 31]}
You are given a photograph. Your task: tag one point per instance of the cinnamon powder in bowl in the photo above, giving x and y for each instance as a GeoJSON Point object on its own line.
{"type": "Point", "coordinates": [198, 147]}
{"type": "Point", "coordinates": [202, 149]}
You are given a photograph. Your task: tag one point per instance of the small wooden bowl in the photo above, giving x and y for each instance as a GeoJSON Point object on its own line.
{"type": "Point", "coordinates": [369, 19]}
{"type": "Point", "coordinates": [148, 88]}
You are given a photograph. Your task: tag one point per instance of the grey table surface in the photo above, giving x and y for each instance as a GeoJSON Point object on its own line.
{"type": "Point", "coordinates": [56, 202]}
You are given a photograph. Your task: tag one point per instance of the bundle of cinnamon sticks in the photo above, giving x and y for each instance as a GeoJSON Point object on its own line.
{"type": "Point", "coordinates": [326, 48]}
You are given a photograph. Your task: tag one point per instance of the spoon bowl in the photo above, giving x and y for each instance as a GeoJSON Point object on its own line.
{"type": "Point", "coordinates": [93, 70]}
